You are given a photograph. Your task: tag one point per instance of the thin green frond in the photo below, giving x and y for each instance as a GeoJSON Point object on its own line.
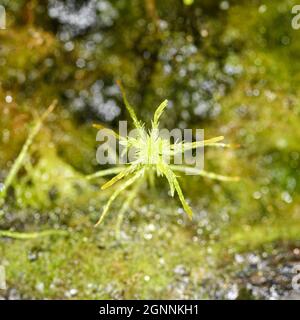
{"type": "Point", "coordinates": [211, 175]}
{"type": "Point", "coordinates": [129, 107]}
{"type": "Point", "coordinates": [118, 177]}
{"type": "Point", "coordinates": [159, 111]}
{"type": "Point", "coordinates": [103, 127]}
{"type": "Point", "coordinates": [103, 173]}
{"type": "Point", "coordinates": [174, 184]}
{"type": "Point", "coordinates": [129, 199]}
{"type": "Point", "coordinates": [32, 235]}
{"type": "Point", "coordinates": [224, 145]}
{"type": "Point", "coordinates": [185, 205]}
{"type": "Point", "coordinates": [182, 147]}
{"type": "Point", "coordinates": [121, 188]}
{"type": "Point", "coordinates": [24, 151]}
{"type": "Point", "coordinates": [167, 172]}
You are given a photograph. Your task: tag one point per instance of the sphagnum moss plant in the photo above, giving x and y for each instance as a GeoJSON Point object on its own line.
{"type": "Point", "coordinates": [150, 152]}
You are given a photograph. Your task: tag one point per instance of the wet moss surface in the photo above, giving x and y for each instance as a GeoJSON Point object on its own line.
{"type": "Point", "coordinates": [230, 68]}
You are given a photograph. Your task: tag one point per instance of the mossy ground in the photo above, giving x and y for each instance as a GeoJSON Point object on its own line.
{"type": "Point", "coordinates": [147, 262]}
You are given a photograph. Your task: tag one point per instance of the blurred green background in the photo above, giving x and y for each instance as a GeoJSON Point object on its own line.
{"type": "Point", "coordinates": [230, 67]}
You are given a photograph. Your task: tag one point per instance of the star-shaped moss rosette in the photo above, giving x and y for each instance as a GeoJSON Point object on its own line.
{"type": "Point", "coordinates": [150, 154]}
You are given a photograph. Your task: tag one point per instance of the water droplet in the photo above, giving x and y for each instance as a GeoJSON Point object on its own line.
{"type": "Point", "coordinates": [232, 294]}
{"type": "Point", "coordinates": [262, 8]}
{"type": "Point", "coordinates": [71, 293]}
{"type": "Point", "coordinates": [40, 287]}
{"type": "Point", "coordinates": [224, 5]}
{"type": "Point", "coordinates": [256, 195]}
{"type": "Point", "coordinates": [8, 99]}
{"type": "Point", "coordinates": [148, 236]}
{"type": "Point", "coordinates": [286, 197]}
{"type": "Point", "coordinates": [147, 278]}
